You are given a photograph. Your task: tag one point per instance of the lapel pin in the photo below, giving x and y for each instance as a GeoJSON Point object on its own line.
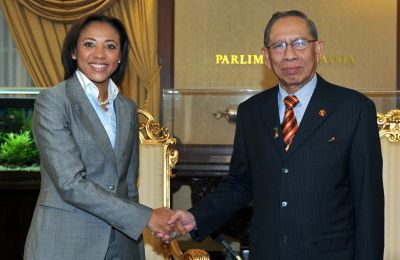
{"type": "Point", "coordinates": [276, 133]}
{"type": "Point", "coordinates": [332, 139]}
{"type": "Point", "coordinates": [322, 112]}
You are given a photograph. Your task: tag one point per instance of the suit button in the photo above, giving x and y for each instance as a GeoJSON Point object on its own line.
{"type": "Point", "coordinates": [284, 239]}
{"type": "Point", "coordinates": [284, 204]}
{"type": "Point", "coordinates": [112, 187]}
{"type": "Point", "coordinates": [285, 170]}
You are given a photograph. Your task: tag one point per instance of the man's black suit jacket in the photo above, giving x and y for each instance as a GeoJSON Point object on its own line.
{"type": "Point", "coordinates": [323, 199]}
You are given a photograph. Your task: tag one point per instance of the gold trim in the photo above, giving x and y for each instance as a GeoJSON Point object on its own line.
{"type": "Point", "coordinates": [389, 124]}
{"type": "Point", "coordinates": [150, 132]}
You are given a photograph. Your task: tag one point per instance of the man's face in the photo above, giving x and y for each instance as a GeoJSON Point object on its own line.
{"type": "Point", "coordinates": [293, 68]}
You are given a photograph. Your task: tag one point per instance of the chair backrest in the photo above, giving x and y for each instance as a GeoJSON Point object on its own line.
{"type": "Point", "coordinates": [390, 140]}
{"type": "Point", "coordinates": [157, 158]}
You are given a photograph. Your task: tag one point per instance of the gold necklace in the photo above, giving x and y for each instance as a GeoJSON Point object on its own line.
{"type": "Point", "coordinates": [104, 102]}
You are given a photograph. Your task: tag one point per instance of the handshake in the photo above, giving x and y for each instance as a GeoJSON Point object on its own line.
{"type": "Point", "coordinates": [167, 224]}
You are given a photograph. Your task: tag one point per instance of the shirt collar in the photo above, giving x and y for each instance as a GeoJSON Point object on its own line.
{"type": "Point", "coordinates": [90, 88]}
{"type": "Point", "coordinates": [303, 94]}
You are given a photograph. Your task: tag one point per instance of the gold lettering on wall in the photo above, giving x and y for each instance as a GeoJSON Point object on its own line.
{"type": "Point", "coordinates": [249, 59]}
{"type": "Point", "coordinates": [238, 59]}
{"type": "Point", "coordinates": [337, 59]}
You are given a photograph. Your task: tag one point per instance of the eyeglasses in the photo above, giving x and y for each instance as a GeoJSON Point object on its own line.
{"type": "Point", "coordinates": [298, 44]}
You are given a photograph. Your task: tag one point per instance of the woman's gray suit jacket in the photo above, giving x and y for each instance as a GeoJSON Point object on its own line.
{"type": "Point", "coordinates": [87, 187]}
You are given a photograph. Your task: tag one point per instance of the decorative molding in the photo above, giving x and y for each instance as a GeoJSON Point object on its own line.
{"type": "Point", "coordinates": [389, 124]}
{"type": "Point", "coordinates": [150, 132]}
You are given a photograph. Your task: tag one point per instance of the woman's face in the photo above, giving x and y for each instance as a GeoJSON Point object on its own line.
{"type": "Point", "coordinates": [98, 52]}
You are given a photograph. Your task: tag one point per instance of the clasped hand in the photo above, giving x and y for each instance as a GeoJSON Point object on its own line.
{"type": "Point", "coordinates": [166, 224]}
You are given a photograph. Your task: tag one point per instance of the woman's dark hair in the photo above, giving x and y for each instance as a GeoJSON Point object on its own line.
{"type": "Point", "coordinates": [70, 43]}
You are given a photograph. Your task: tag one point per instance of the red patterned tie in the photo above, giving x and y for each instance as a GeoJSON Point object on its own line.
{"type": "Point", "coordinates": [289, 124]}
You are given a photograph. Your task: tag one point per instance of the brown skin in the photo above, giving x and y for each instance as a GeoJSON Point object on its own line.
{"type": "Point", "coordinates": [293, 68]}
{"type": "Point", "coordinates": [159, 226]}
{"type": "Point", "coordinates": [97, 53]}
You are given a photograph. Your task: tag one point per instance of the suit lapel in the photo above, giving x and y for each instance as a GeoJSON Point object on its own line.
{"type": "Point", "coordinates": [123, 125]}
{"type": "Point", "coordinates": [87, 115]}
{"type": "Point", "coordinates": [270, 116]}
{"type": "Point", "coordinates": [318, 110]}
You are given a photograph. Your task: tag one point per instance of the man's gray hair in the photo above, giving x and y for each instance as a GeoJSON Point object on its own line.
{"type": "Point", "coordinates": [278, 15]}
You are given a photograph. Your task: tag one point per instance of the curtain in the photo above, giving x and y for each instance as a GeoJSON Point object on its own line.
{"type": "Point", "coordinates": [10, 58]}
{"type": "Point", "coordinates": [39, 28]}
{"type": "Point", "coordinates": [140, 19]}
{"type": "Point", "coordinates": [39, 42]}
{"type": "Point", "coordinates": [64, 11]}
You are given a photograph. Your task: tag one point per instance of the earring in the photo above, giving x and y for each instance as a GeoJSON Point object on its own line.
{"type": "Point", "coordinates": [119, 61]}
{"type": "Point", "coordinates": [73, 57]}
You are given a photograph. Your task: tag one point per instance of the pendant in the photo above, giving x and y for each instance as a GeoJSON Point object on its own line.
{"type": "Point", "coordinates": [104, 102]}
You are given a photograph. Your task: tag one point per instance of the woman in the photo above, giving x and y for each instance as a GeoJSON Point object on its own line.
{"type": "Point", "coordinates": [87, 135]}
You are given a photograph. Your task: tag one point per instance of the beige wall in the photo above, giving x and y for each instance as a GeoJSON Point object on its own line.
{"type": "Point", "coordinates": [359, 35]}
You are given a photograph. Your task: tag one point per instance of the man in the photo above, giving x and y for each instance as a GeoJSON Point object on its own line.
{"type": "Point", "coordinates": [311, 163]}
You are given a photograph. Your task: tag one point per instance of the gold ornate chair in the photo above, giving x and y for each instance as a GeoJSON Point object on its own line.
{"type": "Point", "coordinates": [389, 124]}
{"type": "Point", "coordinates": [157, 158]}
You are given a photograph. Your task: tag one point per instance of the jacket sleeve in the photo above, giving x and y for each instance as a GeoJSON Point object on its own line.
{"type": "Point", "coordinates": [365, 168]}
{"type": "Point", "coordinates": [61, 160]}
{"type": "Point", "coordinates": [233, 192]}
